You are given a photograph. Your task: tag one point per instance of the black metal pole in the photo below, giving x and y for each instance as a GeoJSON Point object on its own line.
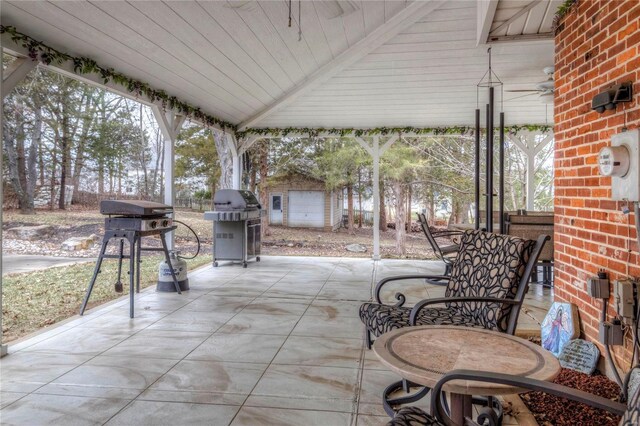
{"type": "Point", "coordinates": [490, 164]}
{"type": "Point", "coordinates": [477, 170]}
{"type": "Point", "coordinates": [501, 185]}
{"type": "Point", "coordinates": [486, 168]}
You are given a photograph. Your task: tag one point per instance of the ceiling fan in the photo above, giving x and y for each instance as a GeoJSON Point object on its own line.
{"type": "Point", "coordinates": [543, 89]}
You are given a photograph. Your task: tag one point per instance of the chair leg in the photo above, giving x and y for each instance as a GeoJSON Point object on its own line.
{"type": "Point", "coordinates": [367, 337]}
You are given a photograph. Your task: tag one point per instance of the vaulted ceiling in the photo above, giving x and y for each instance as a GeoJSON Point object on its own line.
{"type": "Point", "coordinates": [340, 64]}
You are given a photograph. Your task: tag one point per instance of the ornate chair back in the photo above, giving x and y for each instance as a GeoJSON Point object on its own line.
{"type": "Point", "coordinates": [491, 265]}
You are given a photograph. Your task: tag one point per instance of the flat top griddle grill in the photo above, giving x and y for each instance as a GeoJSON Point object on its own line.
{"type": "Point", "coordinates": [131, 220]}
{"type": "Point", "coordinates": [134, 208]}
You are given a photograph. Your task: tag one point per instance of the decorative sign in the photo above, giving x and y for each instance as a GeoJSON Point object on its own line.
{"type": "Point", "coordinates": [580, 355]}
{"type": "Point", "coordinates": [559, 327]}
{"type": "Point", "coordinates": [634, 382]}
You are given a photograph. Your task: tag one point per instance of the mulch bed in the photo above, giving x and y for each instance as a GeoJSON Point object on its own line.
{"type": "Point", "coordinates": [554, 411]}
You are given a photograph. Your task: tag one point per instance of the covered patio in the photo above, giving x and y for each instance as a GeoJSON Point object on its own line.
{"type": "Point", "coordinates": [277, 343]}
{"type": "Point", "coordinates": [281, 342]}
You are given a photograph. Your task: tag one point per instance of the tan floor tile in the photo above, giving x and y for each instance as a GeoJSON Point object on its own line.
{"type": "Point", "coordinates": [309, 325]}
{"type": "Point", "coordinates": [208, 376]}
{"type": "Point", "coordinates": [372, 420]}
{"type": "Point", "coordinates": [319, 351]}
{"type": "Point", "coordinates": [36, 410]}
{"type": "Point", "coordinates": [153, 343]}
{"type": "Point", "coordinates": [153, 413]}
{"type": "Point", "coordinates": [234, 347]}
{"type": "Point", "coordinates": [251, 416]}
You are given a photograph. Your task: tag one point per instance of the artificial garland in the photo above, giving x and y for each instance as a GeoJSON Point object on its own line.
{"type": "Point", "coordinates": [562, 11]}
{"type": "Point", "coordinates": [379, 131]}
{"type": "Point", "coordinates": [38, 51]}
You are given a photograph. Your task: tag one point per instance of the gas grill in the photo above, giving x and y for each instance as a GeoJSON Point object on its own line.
{"type": "Point", "coordinates": [131, 221]}
{"type": "Point", "coordinates": [236, 226]}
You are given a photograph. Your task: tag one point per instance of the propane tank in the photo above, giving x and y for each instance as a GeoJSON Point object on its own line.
{"type": "Point", "coordinates": [165, 280]}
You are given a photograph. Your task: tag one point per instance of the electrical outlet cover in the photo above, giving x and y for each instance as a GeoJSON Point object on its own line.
{"type": "Point", "coordinates": [560, 325]}
{"type": "Point", "coordinates": [627, 187]}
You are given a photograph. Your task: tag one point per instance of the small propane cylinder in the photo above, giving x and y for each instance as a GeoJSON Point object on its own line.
{"type": "Point", "coordinates": [165, 280]}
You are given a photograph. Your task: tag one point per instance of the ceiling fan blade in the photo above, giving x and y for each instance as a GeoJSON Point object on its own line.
{"type": "Point", "coordinates": [521, 96]}
{"type": "Point", "coordinates": [523, 90]}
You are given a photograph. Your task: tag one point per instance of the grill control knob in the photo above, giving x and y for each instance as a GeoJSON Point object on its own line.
{"type": "Point", "coordinates": [153, 224]}
{"type": "Point", "coordinates": [165, 223]}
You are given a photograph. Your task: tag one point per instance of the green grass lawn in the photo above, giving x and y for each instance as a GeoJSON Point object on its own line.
{"type": "Point", "coordinates": [34, 300]}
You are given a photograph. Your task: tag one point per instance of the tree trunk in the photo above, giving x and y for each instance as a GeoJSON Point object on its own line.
{"type": "Point", "coordinates": [41, 163]}
{"type": "Point", "coordinates": [78, 163]}
{"type": "Point", "coordinates": [226, 160]}
{"type": "Point", "coordinates": [383, 208]}
{"type": "Point", "coordinates": [32, 160]}
{"type": "Point", "coordinates": [409, 196]}
{"type": "Point", "coordinates": [350, 209]}
{"type": "Point", "coordinates": [65, 160]}
{"type": "Point", "coordinates": [360, 196]}
{"type": "Point", "coordinates": [401, 237]}
{"type": "Point", "coordinates": [12, 168]}
{"type": "Point", "coordinates": [100, 177]}
{"type": "Point", "coordinates": [21, 164]}
{"type": "Point", "coordinates": [264, 185]}
{"type": "Point", "coordinates": [52, 178]}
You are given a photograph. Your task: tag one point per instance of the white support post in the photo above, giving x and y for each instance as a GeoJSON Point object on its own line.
{"type": "Point", "coordinates": [170, 124]}
{"type": "Point", "coordinates": [236, 164]}
{"type": "Point", "coordinates": [375, 151]}
{"type": "Point", "coordinates": [530, 150]}
{"type": "Point", "coordinates": [531, 174]}
{"type": "Point", "coordinates": [3, 92]}
{"type": "Point", "coordinates": [15, 73]}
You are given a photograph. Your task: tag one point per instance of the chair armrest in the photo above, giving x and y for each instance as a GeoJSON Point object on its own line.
{"type": "Point", "coordinates": [523, 383]}
{"type": "Point", "coordinates": [446, 232]}
{"type": "Point", "coordinates": [399, 296]}
{"type": "Point", "coordinates": [424, 303]}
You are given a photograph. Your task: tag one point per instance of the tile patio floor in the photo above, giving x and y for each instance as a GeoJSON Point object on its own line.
{"type": "Point", "coordinates": [278, 343]}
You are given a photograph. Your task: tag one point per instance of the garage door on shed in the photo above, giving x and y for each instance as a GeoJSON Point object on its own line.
{"type": "Point", "coordinates": [306, 209]}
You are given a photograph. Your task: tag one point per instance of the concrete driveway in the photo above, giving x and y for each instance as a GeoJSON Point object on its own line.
{"type": "Point", "coordinates": [16, 263]}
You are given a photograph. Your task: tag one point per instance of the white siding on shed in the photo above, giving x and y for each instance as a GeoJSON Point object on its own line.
{"type": "Point", "coordinates": [306, 209]}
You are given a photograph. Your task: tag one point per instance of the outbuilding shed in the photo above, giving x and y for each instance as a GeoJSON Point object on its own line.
{"type": "Point", "coordinates": [299, 200]}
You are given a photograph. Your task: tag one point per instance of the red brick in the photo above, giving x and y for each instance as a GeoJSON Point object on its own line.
{"type": "Point", "coordinates": [599, 45]}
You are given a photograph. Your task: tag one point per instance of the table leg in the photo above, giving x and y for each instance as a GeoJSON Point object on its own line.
{"type": "Point", "coordinates": [461, 407]}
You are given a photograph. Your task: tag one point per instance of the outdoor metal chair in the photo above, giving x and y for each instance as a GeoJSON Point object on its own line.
{"type": "Point", "coordinates": [446, 252]}
{"type": "Point", "coordinates": [413, 416]}
{"type": "Point", "coordinates": [486, 288]}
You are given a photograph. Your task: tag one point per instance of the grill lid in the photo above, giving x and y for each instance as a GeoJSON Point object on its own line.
{"type": "Point", "coordinates": [235, 200]}
{"type": "Point", "coordinates": [134, 208]}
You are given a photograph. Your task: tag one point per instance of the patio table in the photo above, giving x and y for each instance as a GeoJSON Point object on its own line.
{"type": "Point", "coordinates": [423, 354]}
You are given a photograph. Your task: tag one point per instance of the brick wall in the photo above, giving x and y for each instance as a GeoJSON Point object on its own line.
{"type": "Point", "coordinates": [597, 44]}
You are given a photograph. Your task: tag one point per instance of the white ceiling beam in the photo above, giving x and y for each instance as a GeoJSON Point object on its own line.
{"type": "Point", "coordinates": [516, 15]}
{"type": "Point", "coordinates": [486, 11]}
{"type": "Point", "coordinates": [399, 22]}
{"type": "Point", "coordinates": [15, 73]}
{"type": "Point", "coordinates": [521, 38]}
{"type": "Point", "coordinates": [66, 69]}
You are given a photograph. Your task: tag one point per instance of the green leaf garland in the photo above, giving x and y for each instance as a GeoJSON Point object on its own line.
{"type": "Point", "coordinates": [380, 131]}
{"type": "Point", "coordinates": [39, 51]}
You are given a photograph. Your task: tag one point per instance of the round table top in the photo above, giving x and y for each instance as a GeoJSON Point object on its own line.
{"type": "Point", "coordinates": [423, 354]}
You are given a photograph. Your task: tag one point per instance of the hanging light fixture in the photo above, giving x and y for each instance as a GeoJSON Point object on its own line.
{"type": "Point", "coordinates": [490, 81]}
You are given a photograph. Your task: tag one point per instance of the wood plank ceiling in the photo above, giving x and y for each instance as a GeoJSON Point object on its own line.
{"type": "Point", "coordinates": [235, 59]}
